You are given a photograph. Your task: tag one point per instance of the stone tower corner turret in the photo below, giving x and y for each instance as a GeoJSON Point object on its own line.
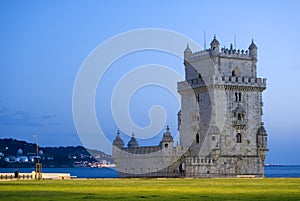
{"type": "Point", "coordinates": [118, 142]}
{"type": "Point", "coordinates": [187, 52]}
{"type": "Point", "coordinates": [253, 50]}
{"type": "Point", "coordinates": [167, 140]}
{"type": "Point", "coordinates": [214, 46]}
{"type": "Point", "coordinates": [133, 142]}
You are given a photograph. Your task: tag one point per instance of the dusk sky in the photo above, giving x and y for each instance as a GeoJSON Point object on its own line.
{"type": "Point", "coordinates": [45, 43]}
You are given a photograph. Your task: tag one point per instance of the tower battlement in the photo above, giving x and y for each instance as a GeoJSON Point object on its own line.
{"type": "Point", "coordinates": [225, 52]}
{"type": "Point", "coordinates": [235, 53]}
{"type": "Point", "coordinates": [223, 80]}
{"type": "Point", "coordinates": [228, 62]}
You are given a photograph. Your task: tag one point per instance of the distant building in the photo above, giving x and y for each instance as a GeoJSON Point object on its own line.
{"type": "Point", "coordinates": [23, 159]}
{"type": "Point", "coordinates": [220, 122]}
{"type": "Point", "coordinates": [12, 159]}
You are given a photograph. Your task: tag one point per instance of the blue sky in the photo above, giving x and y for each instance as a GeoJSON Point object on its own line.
{"type": "Point", "coordinates": [44, 43]}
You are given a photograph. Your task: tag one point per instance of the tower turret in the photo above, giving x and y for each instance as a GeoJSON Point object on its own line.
{"type": "Point", "coordinates": [167, 142]}
{"type": "Point", "coordinates": [118, 142]}
{"type": "Point", "coordinates": [167, 138]}
{"type": "Point", "coordinates": [214, 46]}
{"type": "Point", "coordinates": [133, 143]}
{"type": "Point", "coordinates": [262, 137]}
{"type": "Point", "coordinates": [253, 50]}
{"type": "Point", "coordinates": [187, 52]}
{"type": "Point", "coordinates": [118, 145]}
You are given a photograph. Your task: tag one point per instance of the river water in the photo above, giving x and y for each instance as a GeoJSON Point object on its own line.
{"type": "Point", "coordinates": [270, 171]}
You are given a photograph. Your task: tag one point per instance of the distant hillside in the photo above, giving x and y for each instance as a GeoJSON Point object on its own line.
{"type": "Point", "coordinates": [16, 153]}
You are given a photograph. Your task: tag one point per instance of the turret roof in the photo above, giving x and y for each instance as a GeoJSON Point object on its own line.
{"type": "Point", "coordinates": [118, 140]}
{"type": "Point", "coordinates": [214, 41]}
{"type": "Point", "coordinates": [132, 143]}
{"type": "Point", "coordinates": [252, 45]}
{"type": "Point", "coordinates": [167, 137]}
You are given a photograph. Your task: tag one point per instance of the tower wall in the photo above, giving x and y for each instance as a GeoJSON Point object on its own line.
{"type": "Point", "coordinates": [221, 113]}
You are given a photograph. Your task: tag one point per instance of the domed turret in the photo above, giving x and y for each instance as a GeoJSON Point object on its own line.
{"type": "Point", "coordinates": [187, 52]}
{"type": "Point", "coordinates": [167, 140]}
{"type": "Point", "coordinates": [214, 45]}
{"type": "Point", "coordinates": [253, 50]}
{"type": "Point", "coordinates": [262, 137]}
{"type": "Point", "coordinates": [133, 143]}
{"type": "Point", "coordinates": [118, 142]}
{"type": "Point", "coordinates": [167, 137]}
{"type": "Point", "coordinates": [261, 131]}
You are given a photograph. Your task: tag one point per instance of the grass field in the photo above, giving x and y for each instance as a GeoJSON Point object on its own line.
{"type": "Point", "coordinates": [152, 189]}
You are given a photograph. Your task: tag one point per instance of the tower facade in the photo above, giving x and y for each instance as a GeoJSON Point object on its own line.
{"type": "Point", "coordinates": [221, 125]}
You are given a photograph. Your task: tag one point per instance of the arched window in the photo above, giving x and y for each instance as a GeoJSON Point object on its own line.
{"type": "Point", "coordinates": [197, 139]}
{"type": "Point", "coordinates": [233, 73]}
{"type": "Point", "coordinates": [197, 98]}
{"type": "Point", "coordinates": [239, 117]}
{"type": "Point", "coordinates": [238, 138]}
{"type": "Point", "coordinates": [166, 145]}
{"type": "Point", "coordinates": [238, 96]}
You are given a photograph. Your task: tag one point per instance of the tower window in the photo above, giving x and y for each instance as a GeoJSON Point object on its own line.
{"type": "Point", "coordinates": [166, 145]}
{"type": "Point", "coordinates": [233, 73]}
{"type": "Point", "coordinates": [238, 96]}
{"type": "Point", "coordinates": [197, 139]}
{"type": "Point", "coordinates": [238, 138]}
{"type": "Point", "coordinates": [239, 117]}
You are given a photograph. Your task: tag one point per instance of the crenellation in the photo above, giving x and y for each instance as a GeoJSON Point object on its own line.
{"type": "Point", "coordinates": [225, 52]}
{"type": "Point", "coordinates": [222, 81]}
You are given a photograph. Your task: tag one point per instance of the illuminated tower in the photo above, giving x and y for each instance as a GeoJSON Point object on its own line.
{"type": "Point", "coordinates": [221, 112]}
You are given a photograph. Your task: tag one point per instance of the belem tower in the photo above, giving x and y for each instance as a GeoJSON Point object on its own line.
{"type": "Point", "coordinates": [220, 122]}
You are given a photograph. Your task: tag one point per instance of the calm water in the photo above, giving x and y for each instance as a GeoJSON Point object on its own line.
{"type": "Point", "coordinates": [275, 171]}
{"type": "Point", "coordinates": [283, 171]}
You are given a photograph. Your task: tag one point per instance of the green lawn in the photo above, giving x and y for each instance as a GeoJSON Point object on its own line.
{"type": "Point", "coordinates": [152, 189]}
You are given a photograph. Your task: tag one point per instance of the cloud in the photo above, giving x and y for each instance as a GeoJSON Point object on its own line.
{"type": "Point", "coordinates": [48, 116]}
{"type": "Point", "coordinates": [20, 118]}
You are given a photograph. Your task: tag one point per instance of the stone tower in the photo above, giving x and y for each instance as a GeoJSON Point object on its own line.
{"type": "Point", "coordinates": [220, 121]}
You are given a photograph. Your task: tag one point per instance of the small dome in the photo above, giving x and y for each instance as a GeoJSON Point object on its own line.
{"type": "Point", "coordinates": [133, 143]}
{"type": "Point", "coordinates": [118, 141]}
{"type": "Point", "coordinates": [252, 45]}
{"type": "Point", "coordinates": [167, 137]}
{"type": "Point", "coordinates": [214, 42]}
